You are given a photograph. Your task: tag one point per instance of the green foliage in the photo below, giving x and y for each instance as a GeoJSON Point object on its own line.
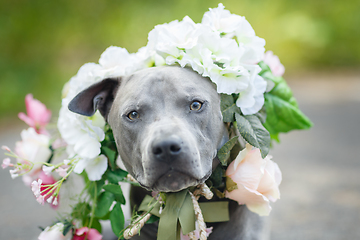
{"type": "Point", "coordinates": [67, 227]}
{"type": "Point", "coordinates": [81, 210]}
{"type": "Point", "coordinates": [104, 203]}
{"type": "Point", "coordinates": [283, 114]}
{"type": "Point", "coordinates": [111, 155]}
{"type": "Point", "coordinates": [252, 130]}
{"type": "Point", "coordinates": [216, 178]}
{"type": "Point", "coordinates": [117, 219]}
{"type": "Point", "coordinates": [96, 224]}
{"type": "Point", "coordinates": [96, 185]}
{"type": "Point", "coordinates": [115, 176]}
{"type": "Point", "coordinates": [228, 107]}
{"type": "Point", "coordinates": [152, 219]}
{"type": "Point", "coordinates": [224, 152]}
{"type": "Point", "coordinates": [116, 191]}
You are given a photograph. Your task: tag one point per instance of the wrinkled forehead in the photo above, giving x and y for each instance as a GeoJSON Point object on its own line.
{"type": "Point", "coordinates": [166, 82]}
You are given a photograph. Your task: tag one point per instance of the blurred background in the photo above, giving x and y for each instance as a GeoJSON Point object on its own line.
{"type": "Point", "coordinates": [44, 43]}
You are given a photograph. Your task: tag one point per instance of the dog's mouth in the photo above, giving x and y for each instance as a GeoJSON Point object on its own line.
{"type": "Point", "coordinates": [174, 181]}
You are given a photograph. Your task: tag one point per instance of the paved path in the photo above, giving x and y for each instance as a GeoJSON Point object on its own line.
{"type": "Point", "coordinates": [321, 170]}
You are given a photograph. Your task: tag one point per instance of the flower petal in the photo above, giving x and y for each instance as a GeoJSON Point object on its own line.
{"type": "Point", "coordinates": [96, 167]}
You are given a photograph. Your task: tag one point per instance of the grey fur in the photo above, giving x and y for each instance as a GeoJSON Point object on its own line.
{"type": "Point", "coordinates": [167, 146]}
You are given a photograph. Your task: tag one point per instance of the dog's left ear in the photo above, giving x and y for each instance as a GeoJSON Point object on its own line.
{"type": "Point", "coordinates": [98, 96]}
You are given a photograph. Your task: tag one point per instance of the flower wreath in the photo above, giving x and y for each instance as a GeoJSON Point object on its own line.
{"type": "Point", "coordinates": [256, 105]}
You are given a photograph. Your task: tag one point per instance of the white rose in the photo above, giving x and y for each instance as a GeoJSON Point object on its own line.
{"type": "Point", "coordinates": [34, 147]}
{"type": "Point", "coordinates": [55, 233]}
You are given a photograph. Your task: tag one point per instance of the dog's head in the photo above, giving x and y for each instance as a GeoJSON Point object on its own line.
{"type": "Point", "coordinates": [166, 122]}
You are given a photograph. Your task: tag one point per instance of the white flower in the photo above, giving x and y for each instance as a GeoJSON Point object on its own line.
{"type": "Point", "coordinates": [83, 133]}
{"type": "Point", "coordinates": [251, 100]}
{"type": "Point", "coordinates": [253, 45]}
{"type": "Point", "coordinates": [221, 20]}
{"type": "Point", "coordinates": [14, 173]}
{"type": "Point", "coordinates": [234, 26]}
{"type": "Point", "coordinates": [55, 202]}
{"type": "Point", "coordinates": [47, 170]}
{"type": "Point", "coordinates": [50, 199]}
{"type": "Point", "coordinates": [34, 147]}
{"type": "Point", "coordinates": [94, 168]}
{"type": "Point", "coordinates": [169, 39]}
{"type": "Point", "coordinates": [118, 61]}
{"type": "Point", "coordinates": [55, 233]}
{"type": "Point", "coordinates": [230, 80]}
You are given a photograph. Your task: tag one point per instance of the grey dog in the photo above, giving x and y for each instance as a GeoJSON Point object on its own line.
{"type": "Point", "coordinates": [168, 126]}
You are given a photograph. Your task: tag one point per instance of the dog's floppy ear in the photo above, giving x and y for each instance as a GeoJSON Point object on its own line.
{"type": "Point", "coordinates": [98, 96]}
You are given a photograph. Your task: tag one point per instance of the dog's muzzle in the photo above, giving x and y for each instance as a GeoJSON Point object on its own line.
{"type": "Point", "coordinates": [167, 150]}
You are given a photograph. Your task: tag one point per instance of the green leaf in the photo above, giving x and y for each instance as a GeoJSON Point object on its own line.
{"type": "Point", "coordinates": [152, 219]}
{"type": "Point", "coordinates": [81, 210]}
{"type": "Point", "coordinates": [111, 155]}
{"type": "Point", "coordinates": [216, 177]}
{"type": "Point", "coordinates": [96, 224]}
{"type": "Point", "coordinates": [228, 107]}
{"type": "Point", "coordinates": [116, 176]}
{"type": "Point", "coordinates": [224, 152]}
{"type": "Point", "coordinates": [284, 115]}
{"type": "Point", "coordinates": [116, 190]}
{"type": "Point", "coordinates": [103, 204]}
{"type": "Point", "coordinates": [254, 132]}
{"type": "Point", "coordinates": [91, 188]}
{"type": "Point", "coordinates": [230, 184]}
{"type": "Point", "coordinates": [117, 220]}
{"type": "Point", "coordinates": [67, 227]}
{"type": "Point", "coordinates": [106, 217]}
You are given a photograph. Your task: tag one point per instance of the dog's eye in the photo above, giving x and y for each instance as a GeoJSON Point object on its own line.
{"type": "Point", "coordinates": [133, 115]}
{"type": "Point", "coordinates": [195, 106]}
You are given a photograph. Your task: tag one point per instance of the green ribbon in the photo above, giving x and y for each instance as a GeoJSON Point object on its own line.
{"type": "Point", "coordinates": [179, 214]}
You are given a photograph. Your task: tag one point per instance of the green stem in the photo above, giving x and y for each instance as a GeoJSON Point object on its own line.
{"type": "Point", "coordinates": [93, 208]}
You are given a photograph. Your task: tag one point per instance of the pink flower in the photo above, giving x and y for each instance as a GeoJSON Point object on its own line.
{"type": "Point", "coordinates": [55, 233]}
{"type": "Point", "coordinates": [40, 199]}
{"type": "Point", "coordinates": [257, 180]}
{"type": "Point", "coordinates": [33, 148]}
{"type": "Point", "coordinates": [274, 63]}
{"type": "Point", "coordinates": [46, 191]}
{"type": "Point", "coordinates": [5, 148]}
{"type": "Point", "coordinates": [43, 191]}
{"type": "Point", "coordinates": [36, 187]}
{"type": "Point", "coordinates": [47, 170]}
{"type": "Point", "coordinates": [89, 234]}
{"type": "Point", "coordinates": [38, 115]}
{"type": "Point", "coordinates": [62, 171]}
{"type": "Point", "coordinates": [6, 163]}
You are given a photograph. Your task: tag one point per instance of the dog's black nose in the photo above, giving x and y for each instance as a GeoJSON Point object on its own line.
{"type": "Point", "coordinates": [166, 149]}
